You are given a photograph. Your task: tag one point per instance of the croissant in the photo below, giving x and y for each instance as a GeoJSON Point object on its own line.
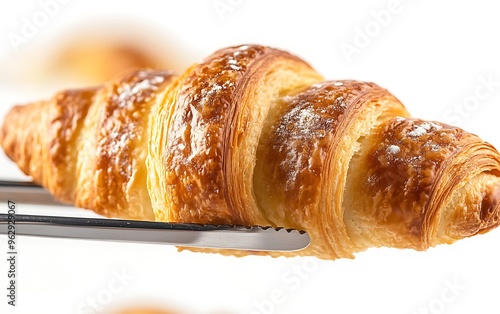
{"type": "Point", "coordinates": [254, 136]}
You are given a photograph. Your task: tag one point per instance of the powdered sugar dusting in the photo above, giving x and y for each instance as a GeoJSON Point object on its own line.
{"type": "Point", "coordinates": [393, 149]}
{"type": "Point", "coordinates": [122, 127]}
{"type": "Point", "coordinates": [126, 109]}
{"type": "Point", "coordinates": [435, 125]}
{"type": "Point", "coordinates": [435, 147]}
{"type": "Point", "coordinates": [299, 123]}
{"type": "Point", "coordinates": [306, 117]}
{"type": "Point", "coordinates": [138, 91]}
{"type": "Point", "coordinates": [418, 131]}
{"type": "Point", "coordinates": [233, 64]}
{"type": "Point", "coordinates": [424, 127]}
{"type": "Point", "coordinates": [300, 126]}
{"type": "Point", "coordinates": [302, 133]}
{"type": "Point", "coordinates": [410, 152]}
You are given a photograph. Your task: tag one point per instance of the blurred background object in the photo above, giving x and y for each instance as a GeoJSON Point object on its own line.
{"type": "Point", "coordinates": [95, 51]}
{"type": "Point", "coordinates": [93, 56]}
{"type": "Point", "coordinates": [144, 310]}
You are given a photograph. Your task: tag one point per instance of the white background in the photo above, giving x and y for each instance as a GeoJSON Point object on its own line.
{"type": "Point", "coordinates": [432, 55]}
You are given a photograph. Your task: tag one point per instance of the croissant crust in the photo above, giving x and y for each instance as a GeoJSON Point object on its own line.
{"type": "Point", "coordinates": [253, 135]}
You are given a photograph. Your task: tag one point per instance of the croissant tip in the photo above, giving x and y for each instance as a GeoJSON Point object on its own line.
{"type": "Point", "coordinates": [2, 134]}
{"type": "Point", "coordinates": [8, 128]}
{"type": "Point", "coordinates": [4, 130]}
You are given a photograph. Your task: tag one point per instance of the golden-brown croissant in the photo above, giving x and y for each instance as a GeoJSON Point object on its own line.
{"type": "Point", "coordinates": [254, 136]}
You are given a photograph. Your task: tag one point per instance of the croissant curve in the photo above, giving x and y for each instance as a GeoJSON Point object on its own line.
{"type": "Point", "coordinates": [254, 136]}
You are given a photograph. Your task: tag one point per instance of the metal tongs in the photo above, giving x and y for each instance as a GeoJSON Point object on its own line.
{"type": "Point", "coordinates": [253, 238]}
